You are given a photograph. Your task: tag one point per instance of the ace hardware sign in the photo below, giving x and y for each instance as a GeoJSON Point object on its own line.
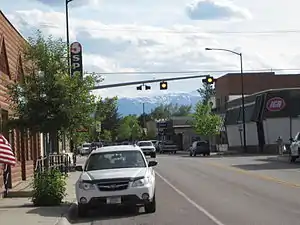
{"type": "Point", "coordinates": [76, 59]}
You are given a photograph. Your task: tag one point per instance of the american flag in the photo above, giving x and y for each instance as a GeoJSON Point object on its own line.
{"type": "Point", "coordinates": [6, 154]}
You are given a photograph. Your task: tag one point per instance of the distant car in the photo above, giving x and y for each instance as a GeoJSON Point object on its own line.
{"type": "Point", "coordinates": [85, 149]}
{"type": "Point", "coordinates": [148, 148]}
{"type": "Point", "coordinates": [200, 148]}
{"type": "Point", "coordinates": [96, 145]}
{"type": "Point", "coordinates": [116, 175]}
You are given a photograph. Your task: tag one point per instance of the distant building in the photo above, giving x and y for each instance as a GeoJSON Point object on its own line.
{"type": "Point", "coordinates": [228, 87]}
{"type": "Point", "coordinates": [269, 114]}
{"type": "Point", "coordinates": [262, 125]}
{"type": "Point", "coordinates": [179, 130]}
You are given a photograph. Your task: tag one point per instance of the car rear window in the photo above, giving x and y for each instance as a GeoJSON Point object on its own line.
{"type": "Point", "coordinates": [115, 160]}
{"type": "Point", "coordinates": [201, 143]}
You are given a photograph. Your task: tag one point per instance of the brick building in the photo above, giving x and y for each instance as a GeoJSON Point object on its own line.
{"type": "Point", "coordinates": [228, 87]}
{"type": "Point", "coordinates": [26, 147]}
{"type": "Point", "coordinates": [259, 88]}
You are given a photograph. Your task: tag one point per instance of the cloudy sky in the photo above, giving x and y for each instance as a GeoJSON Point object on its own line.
{"type": "Point", "coordinates": [168, 35]}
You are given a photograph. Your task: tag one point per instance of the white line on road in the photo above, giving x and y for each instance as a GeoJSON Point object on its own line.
{"type": "Point", "coordinates": [200, 208]}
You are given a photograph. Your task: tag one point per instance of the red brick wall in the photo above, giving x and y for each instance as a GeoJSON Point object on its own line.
{"type": "Point", "coordinates": [14, 44]}
{"type": "Point", "coordinates": [253, 82]}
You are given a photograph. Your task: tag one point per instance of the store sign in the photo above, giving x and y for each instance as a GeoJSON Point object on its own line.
{"type": "Point", "coordinates": [275, 104]}
{"type": "Point", "coordinates": [76, 59]}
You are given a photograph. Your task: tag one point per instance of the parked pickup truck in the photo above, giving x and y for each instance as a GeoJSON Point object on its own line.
{"type": "Point", "coordinates": [167, 146]}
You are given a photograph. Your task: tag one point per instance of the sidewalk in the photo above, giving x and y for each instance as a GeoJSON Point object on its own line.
{"type": "Point", "coordinates": [18, 210]}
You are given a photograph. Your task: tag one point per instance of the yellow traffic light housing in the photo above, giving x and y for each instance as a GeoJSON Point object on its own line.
{"type": "Point", "coordinates": [163, 85]}
{"type": "Point", "coordinates": [209, 80]}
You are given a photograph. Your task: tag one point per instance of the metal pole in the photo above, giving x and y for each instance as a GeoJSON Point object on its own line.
{"type": "Point", "coordinates": [243, 103]}
{"type": "Point", "coordinates": [144, 116]}
{"type": "Point", "coordinates": [68, 35]}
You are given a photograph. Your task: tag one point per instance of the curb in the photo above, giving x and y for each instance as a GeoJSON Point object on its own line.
{"type": "Point", "coordinates": [68, 217]}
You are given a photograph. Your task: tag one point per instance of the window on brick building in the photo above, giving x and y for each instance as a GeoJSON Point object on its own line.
{"type": "Point", "coordinates": [4, 68]}
{"type": "Point", "coordinates": [18, 145]}
{"type": "Point", "coordinates": [27, 146]}
{"type": "Point", "coordinates": [4, 120]}
{"type": "Point", "coordinates": [20, 71]}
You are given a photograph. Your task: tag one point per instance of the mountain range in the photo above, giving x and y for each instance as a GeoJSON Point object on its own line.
{"type": "Point", "coordinates": [128, 106]}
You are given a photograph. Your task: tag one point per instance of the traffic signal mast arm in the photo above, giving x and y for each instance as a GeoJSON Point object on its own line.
{"type": "Point", "coordinates": [147, 81]}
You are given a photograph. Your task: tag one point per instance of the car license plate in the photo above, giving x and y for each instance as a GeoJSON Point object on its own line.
{"type": "Point", "coordinates": [113, 200]}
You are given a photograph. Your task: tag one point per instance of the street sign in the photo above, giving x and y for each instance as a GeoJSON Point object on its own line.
{"type": "Point", "coordinates": [76, 59]}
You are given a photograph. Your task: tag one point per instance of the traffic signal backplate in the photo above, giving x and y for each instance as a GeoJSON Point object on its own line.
{"type": "Point", "coordinates": [163, 85]}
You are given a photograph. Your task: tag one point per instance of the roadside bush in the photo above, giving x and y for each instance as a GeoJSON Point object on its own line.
{"type": "Point", "coordinates": [49, 188]}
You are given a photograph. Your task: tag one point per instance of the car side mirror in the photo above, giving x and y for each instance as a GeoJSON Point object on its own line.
{"type": "Point", "coordinates": [78, 168]}
{"type": "Point", "coordinates": [152, 163]}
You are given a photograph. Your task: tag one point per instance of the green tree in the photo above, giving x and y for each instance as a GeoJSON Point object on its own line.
{"type": "Point", "coordinates": [106, 135]}
{"type": "Point", "coordinates": [146, 117]}
{"type": "Point", "coordinates": [168, 110]}
{"type": "Point", "coordinates": [206, 92]}
{"type": "Point", "coordinates": [107, 113]}
{"type": "Point", "coordinates": [205, 122]}
{"type": "Point", "coordinates": [182, 110]}
{"type": "Point", "coordinates": [50, 101]}
{"type": "Point", "coordinates": [129, 128]}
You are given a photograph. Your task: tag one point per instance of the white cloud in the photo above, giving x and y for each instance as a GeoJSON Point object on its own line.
{"type": "Point", "coordinates": [73, 3]}
{"type": "Point", "coordinates": [116, 46]}
{"type": "Point", "coordinates": [216, 10]}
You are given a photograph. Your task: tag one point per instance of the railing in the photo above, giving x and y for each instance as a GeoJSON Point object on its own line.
{"type": "Point", "coordinates": [62, 162]}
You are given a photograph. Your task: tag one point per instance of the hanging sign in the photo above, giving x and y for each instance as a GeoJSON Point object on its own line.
{"type": "Point", "coordinates": [76, 59]}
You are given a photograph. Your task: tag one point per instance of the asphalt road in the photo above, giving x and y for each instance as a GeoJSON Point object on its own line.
{"type": "Point", "coordinates": [217, 191]}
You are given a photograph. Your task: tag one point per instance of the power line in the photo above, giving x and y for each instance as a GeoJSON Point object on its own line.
{"type": "Point", "coordinates": [169, 31]}
{"type": "Point", "coordinates": [195, 71]}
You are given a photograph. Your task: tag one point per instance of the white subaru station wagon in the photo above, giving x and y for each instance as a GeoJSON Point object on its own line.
{"type": "Point", "coordinates": [116, 175]}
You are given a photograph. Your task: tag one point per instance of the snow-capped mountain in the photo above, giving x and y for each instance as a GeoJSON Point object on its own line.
{"type": "Point", "coordinates": [135, 105]}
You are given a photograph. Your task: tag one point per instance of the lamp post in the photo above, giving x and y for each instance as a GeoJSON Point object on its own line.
{"type": "Point", "coordinates": [67, 33]}
{"type": "Point", "coordinates": [242, 88]}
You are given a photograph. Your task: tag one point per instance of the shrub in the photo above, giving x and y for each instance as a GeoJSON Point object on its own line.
{"type": "Point", "coordinates": [49, 188]}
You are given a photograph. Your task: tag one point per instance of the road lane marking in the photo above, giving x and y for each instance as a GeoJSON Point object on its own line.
{"type": "Point", "coordinates": [200, 208]}
{"type": "Point", "coordinates": [255, 175]}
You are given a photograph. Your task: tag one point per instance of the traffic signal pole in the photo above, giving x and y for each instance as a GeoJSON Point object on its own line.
{"type": "Point", "coordinates": [146, 82]}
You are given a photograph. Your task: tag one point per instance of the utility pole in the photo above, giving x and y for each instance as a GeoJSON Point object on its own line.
{"type": "Point", "coordinates": [144, 116]}
{"type": "Point", "coordinates": [67, 33]}
{"type": "Point", "coordinates": [242, 89]}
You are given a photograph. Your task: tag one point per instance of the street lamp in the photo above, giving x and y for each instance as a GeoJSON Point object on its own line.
{"type": "Point", "coordinates": [67, 32]}
{"type": "Point", "coordinates": [242, 88]}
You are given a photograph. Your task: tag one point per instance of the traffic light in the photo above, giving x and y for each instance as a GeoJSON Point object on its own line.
{"type": "Point", "coordinates": [163, 85]}
{"type": "Point", "coordinates": [208, 80]}
{"type": "Point", "coordinates": [139, 88]}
